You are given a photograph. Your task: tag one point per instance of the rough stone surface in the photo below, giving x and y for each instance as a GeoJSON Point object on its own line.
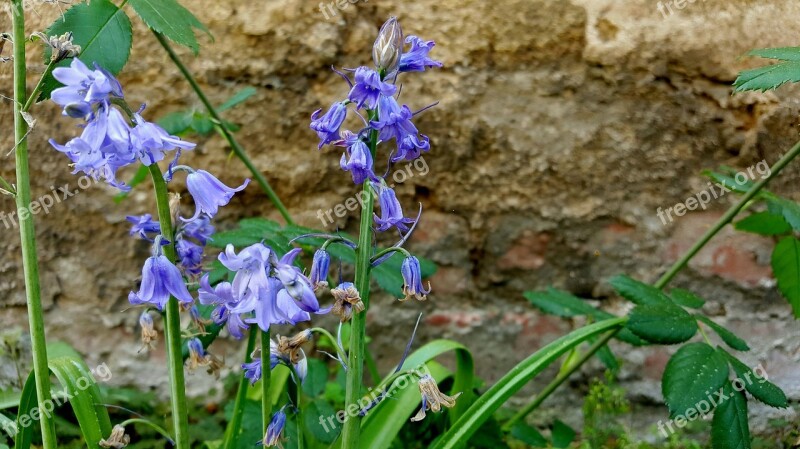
{"type": "Point", "coordinates": [562, 127]}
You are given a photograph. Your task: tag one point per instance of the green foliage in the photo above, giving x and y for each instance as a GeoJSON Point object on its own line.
{"type": "Point", "coordinates": [638, 292]}
{"type": "Point", "coordinates": [727, 336]}
{"type": "Point", "coordinates": [764, 223]}
{"type": "Point", "coordinates": [786, 267]}
{"type": "Point", "coordinates": [772, 76]}
{"type": "Point", "coordinates": [663, 323]}
{"type": "Point", "coordinates": [761, 388]}
{"type": "Point", "coordinates": [694, 370]}
{"type": "Point", "coordinates": [726, 177]}
{"type": "Point", "coordinates": [729, 429]}
{"type": "Point", "coordinates": [101, 29]}
{"type": "Point", "coordinates": [171, 19]}
{"type": "Point", "coordinates": [603, 407]}
{"type": "Point", "coordinates": [686, 298]}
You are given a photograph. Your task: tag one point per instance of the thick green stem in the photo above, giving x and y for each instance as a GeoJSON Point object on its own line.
{"type": "Point", "coordinates": [180, 410]}
{"type": "Point", "coordinates": [235, 426]}
{"type": "Point", "coordinates": [358, 329]}
{"type": "Point", "coordinates": [676, 268]}
{"type": "Point", "coordinates": [27, 233]}
{"type": "Point", "coordinates": [266, 397]}
{"type": "Point", "coordinates": [237, 149]}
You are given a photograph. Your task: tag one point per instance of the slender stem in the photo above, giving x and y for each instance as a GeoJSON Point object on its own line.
{"type": "Point", "coordinates": [36, 90]}
{"type": "Point", "coordinates": [392, 249]}
{"type": "Point", "coordinates": [222, 129]}
{"type": "Point", "coordinates": [27, 233]}
{"type": "Point", "coordinates": [150, 424]}
{"type": "Point", "coordinates": [180, 411]}
{"type": "Point", "coordinates": [266, 397]}
{"type": "Point", "coordinates": [560, 379]}
{"type": "Point", "coordinates": [355, 371]}
{"type": "Point", "coordinates": [676, 268]}
{"type": "Point", "coordinates": [234, 428]}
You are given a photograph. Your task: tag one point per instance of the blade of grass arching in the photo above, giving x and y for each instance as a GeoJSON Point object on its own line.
{"type": "Point", "coordinates": [381, 426]}
{"type": "Point", "coordinates": [499, 393]}
{"type": "Point", "coordinates": [464, 375]}
{"type": "Point", "coordinates": [84, 397]}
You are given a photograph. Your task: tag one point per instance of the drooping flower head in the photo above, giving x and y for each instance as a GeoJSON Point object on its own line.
{"type": "Point", "coordinates": [327, 126]}
{"type": "Point", "coordinates": [347, 301]}
{"type": "Point", "coordinates": [143, 225]}
{"type": "Point", "coordinates": [432, 398]}
{"type": "Point", "coordinates": [360, 162]}
{"type": "Point", "coordinates": [391, 211]}
{"type": "Point", "coordinates": [416, 59]}
{"type": "Point", "coordinates": [295, 283]}
{"type": "Point", "coordinates": [149, 334]}
{"type": "Point", "coordinates": [320, 267]}
{"type": "Point", "coordinates": [209, 193]}
{"type": "Point", "coordinates": [412, 280]}
{"type": "Point", "coordinates": [221, 296]}
{"type": "Point", "coordinates": [160, 280]}
{"type": "Point", "coordinates": [83, 87]}
{"type": "Point", "coordinates": [274, 433]}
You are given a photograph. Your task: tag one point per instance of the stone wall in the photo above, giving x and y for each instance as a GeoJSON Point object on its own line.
{"type": "Point", "coordinates": [562, 127]}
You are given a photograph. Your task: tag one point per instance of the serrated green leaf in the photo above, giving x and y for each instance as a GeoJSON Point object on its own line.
{"type": "Point", "coordinates": [316, 379]}
{"type": "Point", "coordinates": [171, 19]}
{"type": "Point", "coordinates": [637, 292]}
{"type": "Point", "coordinates": [563, 435]}
{"type": "Point", "coordinates": [788, 209]}
{"type": "Point", "coordinates": [769, 77]}
{"type": "Point", "coordinates": [662, 323]}
{"type": "Point", "coordinates": [730, 428]}
{"type": "Point", "coordinates": [764, 223]}
{"type": "Point", "coordinates": [761, 388]}
{"type": "Point", "coordinates": [101, 29]}
{"type": "Point", "coordinates": [686, 298]}
{"type": "Point", "coordinates": [692, 373]}
{"type": "Point", "coordinates": [786, 268]}
{"type": "Point", "coordinates": [781, 53]}
{"type": "Point", "coordinates": [324, 433]}
{"type": "Point", "coordinates": [176, 122]}
{"type": "Point", "coordinates": [238, 98]}
{"type": "Point", "coordinates": [727, 336]}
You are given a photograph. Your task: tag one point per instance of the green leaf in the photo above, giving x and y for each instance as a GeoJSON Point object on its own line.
{"type": "Point", "coordinates": [786, 267]}
{"type": "Point", "coordinates": [27, 403]}
{"type": "Point", "coordinates": [563, 435]}
{"type": "Point", "coordinates": [325, 430]}
{"type": "Point", "coordinates": [730, 429]}
{"type": "Point", "coordinates": [693, 372]}
{"type": "Point", "coordinates": [764, 223]}
{"type": "Point", "coordinates": [202, 124]}
{"type": "Point", "coordinates": [483, 408]}
{"type": "Point", "coordinates": [761, 388]}
{"type": "Point", "coordinates": [727, 179]}
{"type": "Point", "coordinates": [560, 303]}
{"type": "Point", "coordinates": [772, 76]}
{"type": "Point", "coordinates": [171, 19]}
{"type": "Point", "coordinates": [788, 209]}
{"type": "Point", "coordinates": [176, 122]}
{"type": "Point", "coordinates": [238, 98]}
{"type": "Point", "coordinates": [662, 323]}
{"type": "Point", "coordinates": [637, 292]}
{"type": "Point", "coordinates": [101, 29]}
{"type": "Point", "coordinates": [528, 435]}
{"type": "Point", "coordinates": [727, 336]}
{"type": "Point", "coordinates": [316, 379]}
{"type": "Point", "coordinates": [686, 298]}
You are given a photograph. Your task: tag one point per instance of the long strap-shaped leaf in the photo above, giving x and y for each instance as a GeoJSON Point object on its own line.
{"type": "Point", "coordinates": [83, 395]}
{"type": "Point", "coordinates": [490, 401]}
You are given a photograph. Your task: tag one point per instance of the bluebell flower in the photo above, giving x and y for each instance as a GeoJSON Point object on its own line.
{"type": "Point", "coordinates": [250, 266]}
{"type": "Point", "coordinates": [416, 59]}
{"type": "Point", "coordinates": [347, 301]}
{"type": "Point", "coordinates": [209, 193]}
{"type": "Point", "coordinates": [296, 285]}
{"type": "Point", "coordinates": [320, 267]}
{"type": "Point", "coordinates": [273, 306]}
{"type": "Point", "coordinates": [149, 334]}
{"type": "Point", "coordinates": [150, 141]}
{"type": "Point", "coordinates": [368, 88]}
{"type": "Point", "coordinates": [252, 371]}
{"type": "Point", "coordinates": [410, 147]}
{"type": "Point", "coordinates": [199, 229]}
{"type": "Point", "coordinates": [143, 225]}
{"type": "Point", "coordinates": [160, 280]}
{"type": "Point", "coordinates": [83, 86]}
{"type": "Point", "coordinates": [190, 256]}
{"type": "Point", "coordinates": [394, 122]}
{"type": "Point", "coordinates": [360, 163]}
{"type": "Point", "coordinates": [222, 297]}
{"type": "Point", "coordinates": [327, 126]}
{"type": "Point", "coordinates": [412, 279]}
{"type": "Point", "coordinates": [274, 433]}
{"type": "Point", "coordinates": [391, 211]}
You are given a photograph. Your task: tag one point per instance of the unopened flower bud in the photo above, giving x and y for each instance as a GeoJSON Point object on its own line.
{"type": "Point", "coordinates": [388, 46]}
